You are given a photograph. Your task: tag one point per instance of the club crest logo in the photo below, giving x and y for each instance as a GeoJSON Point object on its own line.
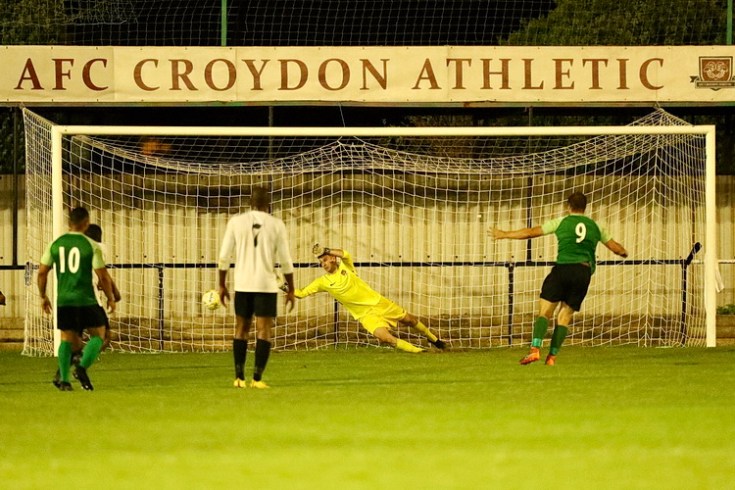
{"type": "Point", "coordinates": [714, 73]}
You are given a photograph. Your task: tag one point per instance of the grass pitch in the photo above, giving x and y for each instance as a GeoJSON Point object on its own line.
{"type": "Point", "coordinates": [376, 418]}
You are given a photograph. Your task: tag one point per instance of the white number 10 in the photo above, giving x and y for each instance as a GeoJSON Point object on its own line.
{"type": "Point", "coordinates": [72, 262]}
{"type": "Point", "coordinates": [581, 232]}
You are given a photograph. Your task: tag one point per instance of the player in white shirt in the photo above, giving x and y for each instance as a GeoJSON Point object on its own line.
{"type": "Point", "coordinates": [258, 242]}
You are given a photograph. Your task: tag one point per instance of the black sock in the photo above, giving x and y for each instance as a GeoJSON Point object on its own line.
{"type": "Point", "coordinates": [262, 351]}
{"type": "Point", "coordinates": [239, 351]}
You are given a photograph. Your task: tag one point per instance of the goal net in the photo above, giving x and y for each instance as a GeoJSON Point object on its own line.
{"type": "Point", "coordinates": [413, 207]}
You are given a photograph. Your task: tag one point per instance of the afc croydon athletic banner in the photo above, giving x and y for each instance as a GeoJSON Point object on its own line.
{"type": "Point", "coordinates": [370, 75]}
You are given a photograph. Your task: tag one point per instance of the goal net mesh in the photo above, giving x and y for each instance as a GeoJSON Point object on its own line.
{"type": "Point", "coordinates": [413, 211]}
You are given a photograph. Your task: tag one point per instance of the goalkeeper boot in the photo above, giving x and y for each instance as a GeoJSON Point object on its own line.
{"type": "Point", "coordinates": [259, 385]}
{"type": "Point", "coordinates": [532, 356]}
{"type": "Point", "coordinates": [239, 383]}
{"type": "Point", "coordinates": [551, 360]}
{"type": "Point", "coordinates": [64, 386]}
{"type": "Point", "coordinates": [57, 379]}
{"type": "Point", "coordinates": [439, 344]}
{"type": "Point", "coordinates": [81, 374]}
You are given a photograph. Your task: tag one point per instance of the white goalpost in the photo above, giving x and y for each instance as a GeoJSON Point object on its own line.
{"type": "Point", "coordinates": [412, 205]}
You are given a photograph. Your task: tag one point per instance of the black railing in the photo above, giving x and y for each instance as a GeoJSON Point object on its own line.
{"type": "Point", "coordinates": [510, 265]}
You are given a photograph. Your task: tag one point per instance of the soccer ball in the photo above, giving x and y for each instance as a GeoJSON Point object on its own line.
{"type": "Point", "coordinates": [210, 300]}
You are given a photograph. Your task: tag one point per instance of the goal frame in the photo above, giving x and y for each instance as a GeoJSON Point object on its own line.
{"type": "Point", "coordinates": [708, 131]}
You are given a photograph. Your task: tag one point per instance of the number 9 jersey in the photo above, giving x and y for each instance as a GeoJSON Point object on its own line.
{"type": "Point", "coordinates": [577, 237]}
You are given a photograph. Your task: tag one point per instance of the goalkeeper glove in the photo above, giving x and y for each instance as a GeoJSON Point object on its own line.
{"type": "Point", "coordinates": [319, 251]}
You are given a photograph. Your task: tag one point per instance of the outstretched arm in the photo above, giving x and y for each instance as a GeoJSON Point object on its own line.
{"type": "Point", "coordinates": [319, 251]}
{"type": "Point", "coordinates": [313, 288]}
{"type": "Point", "coordinates": [520, 234]}
{"type": "Point", "coordinates": [616, 248]}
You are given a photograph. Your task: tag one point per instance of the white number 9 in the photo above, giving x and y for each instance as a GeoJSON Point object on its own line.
{"type": "Point", "coordinates": [581, 232]}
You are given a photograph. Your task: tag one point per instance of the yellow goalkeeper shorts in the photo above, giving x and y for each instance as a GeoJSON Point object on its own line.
{"type": "Point", "coordinates": [385, 314]}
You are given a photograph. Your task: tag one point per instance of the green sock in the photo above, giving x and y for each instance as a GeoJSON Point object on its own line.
{"type": "Point", "coordinates": [557, 338]}
{"type": "Point", "coordinates": [64, 360]}
{"type": "Point", "coordinates": [539, 331]}
{"type": "Point", "coordinates": [91, 351]}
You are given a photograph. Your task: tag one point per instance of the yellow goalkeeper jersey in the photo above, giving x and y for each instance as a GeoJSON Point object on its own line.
{"type": "Point", "coordinates": [345, 286]}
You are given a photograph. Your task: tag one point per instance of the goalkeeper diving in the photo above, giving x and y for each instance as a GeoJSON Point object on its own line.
{"type": "Point", "coordinates": [377, 314]}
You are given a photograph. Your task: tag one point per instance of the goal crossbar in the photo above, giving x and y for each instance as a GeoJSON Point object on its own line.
{"type": "Point", "coordinates": [308, 131]}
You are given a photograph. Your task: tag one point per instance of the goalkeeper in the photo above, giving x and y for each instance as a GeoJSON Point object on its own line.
{"type": "Point", "coordinates": [567, 283]}
{"type": "Point", "coordinates": [375, 313]}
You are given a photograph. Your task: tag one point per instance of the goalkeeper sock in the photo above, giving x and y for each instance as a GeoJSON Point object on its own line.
{"type": "Point", "coordinates": [239, 352]}
{"type": "Point", "coordinates": [262, 352]}
{"type": "Point", "coordinates": [425, 330]}
{"type": "Point", "coordinates": [539, 331]}
{"type": "Point", "coordinates": [64, 360]}
{"type": "Point", "coordinates": [407, 347]}
{"type": "Point", "coordinates": [91, 351]}
{"type": "Point", "coordinates": [557, 338]}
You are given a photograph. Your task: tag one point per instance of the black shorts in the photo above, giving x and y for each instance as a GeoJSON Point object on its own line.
{"type": "Point", "coordinates": [107, 319]}
{"type": "Point", "coordinates": [79, 318]}
{"type": "Point", "coordinates": [258, 304]}
{"type": "Point", "coordinates": [568, 283]}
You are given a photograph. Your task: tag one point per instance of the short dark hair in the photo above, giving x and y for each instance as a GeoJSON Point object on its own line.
{"type": "Point", "coordinates": [260, 198]}
{"type": "Point", "coordinates": [577, 201]}
{"type": "Point", "coordinates": [78, 216]}
{"type": "Point", "coordinates": [94, 232]}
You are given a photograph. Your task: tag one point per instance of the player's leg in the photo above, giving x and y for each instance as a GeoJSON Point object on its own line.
{"type": "Point", "coordinates": [97, 323]}
{"type": "Point", "coordinates": [381, 319]}
{"type": "Point", "coordinates": [384, 335]}
{"type": "Point", "coordinates": [563, 320]}
{"type": "Point", "coordinates": [266, 308]}
{"type": "Point", "coordinates": [68, 325]}
{"type": "Point", "coordinates": [107, 337]}
{"type": "Point", "coordinates": [540, 326]}
{"type": "Point", "coordinates": [76, 356]}
{"type": "Point", "coordinates": [64, 360]}
{"type": "Point", "coordinates": [578, 278]}
{"type": "Point", "coordinates": [90, 353]}
{"type": "Point", "coordinates": [552, 292]}
{"type": "Point", "coordinates": [264, 327]}
{"type": "Point", "coordinates": [240, 348]}
{"type": "Point", "coordinates": [243, 322]}
{"type": "Point", "coordinates": [76, 353]}
{"type": "Point", "coordinates": [416, 324]}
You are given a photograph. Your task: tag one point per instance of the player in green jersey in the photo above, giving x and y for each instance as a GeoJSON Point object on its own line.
{"type": "Point", "coordinates": [75, 256]}
{"type": "Point", "coordinates": [95, 233]}
{"type": "Point", "coordinates": [567, 283]}
{"type": "Point", "coordinates": [377, 314]}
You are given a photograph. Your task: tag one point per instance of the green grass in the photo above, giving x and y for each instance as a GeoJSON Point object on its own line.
{"type": "Point", "coordinates": [374, 418]}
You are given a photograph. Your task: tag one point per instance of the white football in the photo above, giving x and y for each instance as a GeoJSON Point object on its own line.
{"type": "Point", "coordinates": [210, 300]}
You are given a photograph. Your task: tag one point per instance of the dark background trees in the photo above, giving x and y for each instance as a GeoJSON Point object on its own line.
{"type": "Point", "coordinates": [365, 22]}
